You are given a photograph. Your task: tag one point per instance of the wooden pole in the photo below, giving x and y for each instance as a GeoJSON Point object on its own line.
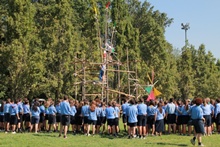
{"type": "Point", "coordinates": [119, 84]}
{"type": "Point", "coordinates": [120, 70]}
{"type": "Point", "coordinates": [129, 90]}
{"type": "Point", "coordinates": [136, 76]}
{"type": "Point", "coordinates": [84, 80]}
{"type": "Point", "coordinates": [120, 92]}
{"type": "Point", "coordinates": [75, 85]}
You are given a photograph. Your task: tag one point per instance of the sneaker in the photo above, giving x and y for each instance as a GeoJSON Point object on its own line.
{"type": "Point", "coordinates": [13, 132]}
{"type": "Point", "coordinates": [6, 132]}
{"type": "Point", "coordinates": [193, 141]}
{"type": "Point", "coordinates": [59, 135]}
{"type": "Point", "coordinates": [144, 137]}
{"type": "Point", "coordinates": [201, 144]}
{"type": "Point", "coordinates": [64, 137]}
{"type": "Point", "coordinates": [88, 135]}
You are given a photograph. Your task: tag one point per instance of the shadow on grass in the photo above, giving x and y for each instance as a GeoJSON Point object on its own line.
{"type": "Point", "coordinates": [113, 137]}
{"type": "Point", "coordinates": [164, 143]}
{"type": "Point", "coordinates": [45, 135]}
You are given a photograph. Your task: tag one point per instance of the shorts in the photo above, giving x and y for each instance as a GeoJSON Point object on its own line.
{"type": "Point", "coordinates": [7, 117]}
{"type": "Point", "coordinates": [85, 120]}
{"type": "Point", "coordinates": [51, 119]}
{"type": "Point", "coordinates": [142, 120]}
{"type": "Point", "coordinates": [116, 121]}
{"type": "Point", "coordinates": [26, 117]}
{"type": "Point", "coordinates": [103, 119]}
{"type": "Point", "coordinates": [99, 121]}
{"type": "Point", "coordinates": [20, 118]}
{"type": "Point", "coordinates": [185, 119]}
{"type": "Point", "coordinates": [72, 120]}
{"type": "Point", "coordinates": [110, 122]}
{"type": "Point", "coordinates": [213, 119]}
{"type": "Point", "coordinates": [35, 120]}
{"type": "Point", "coordinates": [65, 120]}
{"type": "Point", "coordinates": [42, 118]}
{"type": "Point", "coordinates": [190, 122]}
{"type": "Point", "coordinates": [78, 120]}
{"type": "Point", "coordinates": [150, 121]}
{"type": "Point", "coordinates": [208, 120]}
{"type": "Point", "coordinates": [132, 124]}
{"type": "Point", "coordinates": [124, 118]}
{"type": "Point", "coordinates": [171, 119]}
{"type": "Point", "coordinates": [46, 117]}
{"type": "Point", "coordinates": [58, 116]}
{"type": "Point", "coordinates": [218, 119]}
{"type": "Point", "coordinates": [14, 120]}
{"type": "Point", "coordinates": [1, 118]}
{"type": "Point", "coordinates": [93, 122]}
{"type": "Point", "coordinates": [198, 126]}
{"type": "Point", "coordinates": [179, 120]}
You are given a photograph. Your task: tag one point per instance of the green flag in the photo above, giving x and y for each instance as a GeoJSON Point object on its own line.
{"type": "Point", "coordinates": [148, 89]}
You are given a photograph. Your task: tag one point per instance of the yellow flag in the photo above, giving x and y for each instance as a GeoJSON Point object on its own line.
{"type": "Point", "coordinates": [156, 92]}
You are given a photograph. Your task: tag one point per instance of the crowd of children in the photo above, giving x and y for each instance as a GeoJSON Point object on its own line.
{"type": "Point", "coordinates": [140, 118]}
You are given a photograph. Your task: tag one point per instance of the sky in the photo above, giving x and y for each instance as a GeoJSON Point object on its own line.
{"type": "Point", "coordinates": [203, 17]}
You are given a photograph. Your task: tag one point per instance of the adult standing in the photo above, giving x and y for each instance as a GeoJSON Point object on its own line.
{"type": "Point", "coordinates": [159, 118]}
{"type": "Point", "coordinates": [26, 116]}
{"type": "Point", "coordinates": [142, 118]}
{"type": "Point", "coordinates": [65, 116]}
{"type": "Point", "coordinates": [110, 115]}
{"type": "Point", "coordinates": [7, 115]}
{"type": "Point", "coordinates": [132, 118]}
{"type": "Point", "coordinates": [117, 116]}
{"type": "Point", "coordinates": [35, 117]}
{"type": "Point", "coordinates": [197, 121]}
{"type": "Point", "coordinates": [13, 109]}
{"type": "Point", "coordinates": [124, 117]}
{"type": "Point", "coordinates": [151, 110]}
{"type": "Point", "coordinates": [171, 116]}
{"type": "Point", "coordinates": [85, 115]}
{"type": "Point", "coordinates": [207, 111]}
{"type": "Point", "coordinates": [217, 114]}
{"type": "Point", "coordinates": [58, 117]}
{"type": "Point", "coordinates": [20, 111]}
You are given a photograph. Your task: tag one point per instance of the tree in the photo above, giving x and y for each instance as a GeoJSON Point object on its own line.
{"type": "Point", "coordinates": [186, 86]}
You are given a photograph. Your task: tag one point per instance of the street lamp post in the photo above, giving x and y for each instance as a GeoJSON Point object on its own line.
{"type": "Point", "coordinates": [185, 27]}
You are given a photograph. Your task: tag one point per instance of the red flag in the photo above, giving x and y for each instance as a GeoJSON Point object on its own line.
{"type": "Point", "coordinates": [151, 96]}
{"type": "Point", "coordinates": [107, 5]}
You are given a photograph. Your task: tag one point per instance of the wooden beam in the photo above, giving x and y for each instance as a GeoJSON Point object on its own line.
{"type": "Point", "coordinates": [120, 70]}
{"type": "Point", "coordinates": [91, 94]}
{"type": "Point", "coordinates": [115, 91]}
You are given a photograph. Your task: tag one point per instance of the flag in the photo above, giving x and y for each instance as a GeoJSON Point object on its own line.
{"type": "Point", "coordinates": [156, 92]}
{"type": "Point", "coordinates": [148, 89]}
{"type": "Point", "coordinates": [107, 5]}
{"type": "Point", "coordinates": [113, 50]}
{"type": "Point", "coordinates": [151, 96]}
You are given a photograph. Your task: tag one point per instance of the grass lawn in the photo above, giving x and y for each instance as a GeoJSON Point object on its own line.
{"type": "Point", "coordinates": [51, 139]}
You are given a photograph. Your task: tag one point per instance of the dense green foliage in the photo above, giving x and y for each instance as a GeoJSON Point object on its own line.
{"type": "Point", "coordinates": [44, 45]}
